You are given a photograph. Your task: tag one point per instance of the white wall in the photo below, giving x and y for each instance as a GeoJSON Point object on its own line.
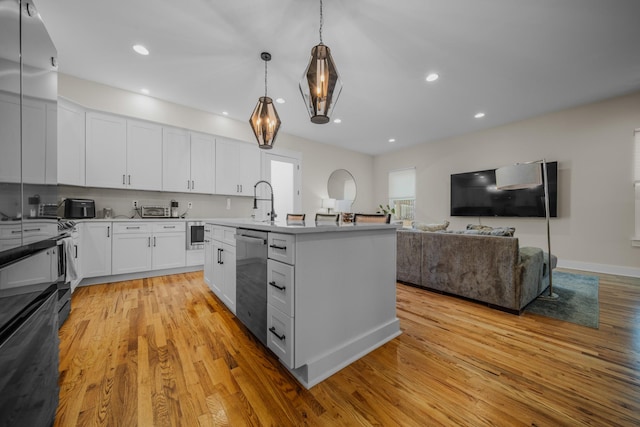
{"type": "Point", "coordinates": [593, 145]}
{"type": "Point", "coordinates": [318, 160]}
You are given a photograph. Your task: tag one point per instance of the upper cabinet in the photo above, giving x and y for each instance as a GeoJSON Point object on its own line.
{"type": "Point", "coordinates": [71, 133]}
{"type": "Point", "coordinates": [144, 155]}
{"type": "Point", "coordinates": [188, 161]}
{"type": "Point", "coordinates": [122, 153]}
{"type": "Point", "coordinates": [237, 167]}
{"type": "Point", "coordinates": [106, 151]}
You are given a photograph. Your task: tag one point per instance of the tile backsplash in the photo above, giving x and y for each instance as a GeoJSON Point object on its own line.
{"type": "Point", "coordinates": [121, 202]}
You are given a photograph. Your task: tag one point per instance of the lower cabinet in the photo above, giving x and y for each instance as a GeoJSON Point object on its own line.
{"type": "Point", "coordinates": [96, 244]}
{"type": "Point", "coordinates": [280, 297]}
{"type": "Point", "coordinates": [144, 246]}
{"type": "Point", "coordinates": [220, 264]}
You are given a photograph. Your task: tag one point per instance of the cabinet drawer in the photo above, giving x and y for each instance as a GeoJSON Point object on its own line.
{"type": "Point", "coordinates": [280, 287]}
{"type": "Point", "coordinates": [164, 227]}
{"type": "Point", "coordinates": [280, 335]}
{"type": "Point", "coordinates": [224, 234]}
{"type": "Point", "coordinates": [282, 247]}
{"type": "Point", "coordinates": [131, 227]}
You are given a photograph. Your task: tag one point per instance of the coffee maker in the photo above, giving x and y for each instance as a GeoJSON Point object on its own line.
{"type": "Point", "coordinates": [174, 209]}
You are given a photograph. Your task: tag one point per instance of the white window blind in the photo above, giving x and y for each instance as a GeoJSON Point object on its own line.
{"type": "Point", "coordinates": [402, 184]}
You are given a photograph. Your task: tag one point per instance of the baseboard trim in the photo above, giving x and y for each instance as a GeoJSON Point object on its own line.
{"type": "Point", "coordinates": [600, 268]}
{"type": "Point", "coordinates": [140, 275]}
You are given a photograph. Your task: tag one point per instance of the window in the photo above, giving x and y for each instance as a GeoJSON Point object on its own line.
{"type": "Point", "coordinates": [402, 193]}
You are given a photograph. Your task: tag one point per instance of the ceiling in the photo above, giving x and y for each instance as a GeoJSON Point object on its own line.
{"type": "Point", "coordinates": [511, 59]}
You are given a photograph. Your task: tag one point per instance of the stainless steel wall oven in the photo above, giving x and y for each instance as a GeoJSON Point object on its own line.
{"type": "Point", "coordinates": [195, 235]}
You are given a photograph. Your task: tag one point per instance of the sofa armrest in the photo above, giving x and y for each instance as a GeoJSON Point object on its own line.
{"type": "Point", "coordinates": [531, 265]}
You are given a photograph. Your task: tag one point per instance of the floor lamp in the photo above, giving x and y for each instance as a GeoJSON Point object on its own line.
{"type": "Point", "coordinates": [527, 175]}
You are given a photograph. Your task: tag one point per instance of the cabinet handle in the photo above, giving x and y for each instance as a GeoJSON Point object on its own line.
{"type": "Point", "coordinates": [123, 181]}
{"type": "Point", "coordinates": [218, 260]}
{"type": "Point", "coordinates": [241, 188]}
{"type": "Point", "coordinates": [154, 241]}
{"type": "Point", "coordinates": [109, 231]}
{"type": "Point", "coordinates": [193, 185]}
{"type": "Point", "coordinates": [280, 288]}
{"type": "Point", "coordinates": [282, 248]}
{"type": "Point", "coordinates": [188, 185]}
{"type": "Point", "coordinates": [133, 228]}
{"type": "Point", "coordinates": [148, 242]}
{"type": "Point", "coordinates": [27, 230]}
{"type": "Point", "coordinates": [168, 226]}
{"type": "Point", "coordinates": [273, 331]}
{"type": "Point", "coordinates": [129, 179]}
{"type": "Point", "coordinates": [16, 231]}
{"type": "Point", "coordinates": [221, 260]}
{"type": "Point", "coordinates": [76, 248]}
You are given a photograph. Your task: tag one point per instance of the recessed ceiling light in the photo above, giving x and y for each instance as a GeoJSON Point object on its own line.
{"type": "Point", "coordinates": [479, 115]}
{"type": "Point", "coordinates": [225, 113]}
{"type": "Point", "coordinates": [337, 121]}
{"type": "Point", "coordinates": [145, 91]}
{"type": "Point", "coordinates": [432, 77]}
{"type": "Point", "coordinates": [280, 100]}
{"type": "Point", "coordinates": [392, 140]}
{"type": "Point", "coordinates": [141, 49]}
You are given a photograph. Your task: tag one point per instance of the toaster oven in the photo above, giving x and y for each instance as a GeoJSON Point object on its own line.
{"type": "Point", "coordinates": [154, 212]}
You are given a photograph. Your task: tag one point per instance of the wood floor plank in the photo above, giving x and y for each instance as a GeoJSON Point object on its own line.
{"type": "Point", "coordinates": [165, 351]}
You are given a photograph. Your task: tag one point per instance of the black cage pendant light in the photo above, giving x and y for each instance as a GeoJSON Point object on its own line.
{"type": "Point", "coordinates": [265, 121]}
{"type": "Point", "coordinates": [320, 85]}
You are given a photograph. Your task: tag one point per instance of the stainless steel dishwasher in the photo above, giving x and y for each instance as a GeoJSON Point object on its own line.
{"type": "Point", "coordinates": [251, 281]}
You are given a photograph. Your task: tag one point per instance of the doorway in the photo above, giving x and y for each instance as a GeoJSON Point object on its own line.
{"type": "Point", "coordinates": [282, 169]}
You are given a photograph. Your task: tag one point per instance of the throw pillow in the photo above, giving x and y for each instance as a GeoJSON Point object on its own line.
{"type": "Point", "coordinates": [433, 227]}
{"type": "Point", "coordinates": [486, 230]}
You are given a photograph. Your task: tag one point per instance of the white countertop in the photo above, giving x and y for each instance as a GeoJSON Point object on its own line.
{"type": "Point", "coordinates": [308, 227]}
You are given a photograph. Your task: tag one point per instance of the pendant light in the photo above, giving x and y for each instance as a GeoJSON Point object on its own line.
{"type": "Point", "coordinates": [264, 120]}
{"type": "Point", "coordinates": [320, 85]}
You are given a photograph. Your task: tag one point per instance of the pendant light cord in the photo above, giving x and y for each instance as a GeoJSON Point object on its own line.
{"type": "Point", "coordinates": [321, 22]}
{"type": "Point", "coordinates": [265, 79]}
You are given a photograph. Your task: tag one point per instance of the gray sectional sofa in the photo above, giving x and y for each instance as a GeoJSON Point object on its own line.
{"type": "Point", "coordinates": [489, 269]}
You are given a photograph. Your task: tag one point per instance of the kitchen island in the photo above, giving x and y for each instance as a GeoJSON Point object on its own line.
{"type": "Point", "coordinates": [330, 292]}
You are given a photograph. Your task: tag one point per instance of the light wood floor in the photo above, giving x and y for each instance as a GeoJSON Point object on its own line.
{"type": "Point", "coordinates": [165, 351]}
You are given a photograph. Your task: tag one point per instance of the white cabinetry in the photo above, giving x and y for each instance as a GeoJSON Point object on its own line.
{"type": "Point", "coordinates": [122, 153]}
{"type": "Point", "coordinates": [131, 248]}
{"type": "Point", "coordinates": [71, 134]}
{"type": "Point", "coordinates": [237, 167]}
{"type": "Point", "coordinates": [188, 161]}
{"type": "Point", "coordinates": [106, 150]}
{"type": "Point", "coordinates": [143, 246]}
{"type": "Point", "coordinates": [220, 263]}
{"type": "Point", "coordinates": [144, 155]}
{"type": "Point", "coordinates": [13, 235]}
{"type": "Point", "coordinates": [208, 255]}
{"type": "Point", "coordinates": [280, 296]}
{"type": "Point", "coordinates": [36, 155]}
{"type": "Point", "coordinates": [96, 246]}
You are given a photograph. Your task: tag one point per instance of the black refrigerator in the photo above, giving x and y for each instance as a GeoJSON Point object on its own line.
{"type": "Point", "coordinates": [29, 251]}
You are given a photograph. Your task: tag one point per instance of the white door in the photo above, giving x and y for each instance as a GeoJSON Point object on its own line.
{"type": "Point", "coordinates": [96, 247]}
{"type": "Point", "coordinates": [131, 253]}
{"type": "Point", "coordinates": [203, 149]}
{"type": "Point", "coordinates": [282, 170]}
{"type": "Point", "coordinates": [169, 250]}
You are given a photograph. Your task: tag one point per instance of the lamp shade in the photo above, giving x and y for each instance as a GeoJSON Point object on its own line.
{"type": "Point", "coordinates": [320, 85]}
{"type": "Point", "coordinates": [265, 122]}
{"type": "Point", "coordinates": [518, 176]}
{"type": "Point", "coordinates": [329, 203]}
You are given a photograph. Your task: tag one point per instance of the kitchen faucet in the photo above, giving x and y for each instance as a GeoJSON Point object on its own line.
{"type": "Point", "coordinates": [272, 214]}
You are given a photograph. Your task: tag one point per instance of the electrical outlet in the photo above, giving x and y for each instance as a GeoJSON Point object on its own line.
{"type": "Point", "coordinates": [189, 205]}
{"type": "Point", "coordinates": [135, 204]}
{"type": "Point", "coordinates": [228, 203]}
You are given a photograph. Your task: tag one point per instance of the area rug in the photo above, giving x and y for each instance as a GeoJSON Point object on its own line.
{"type": "Point", "coordinates": [577, 302]}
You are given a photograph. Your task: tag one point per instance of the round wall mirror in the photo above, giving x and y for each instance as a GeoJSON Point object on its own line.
{"type": "Point", "coordinates": [341, 185]}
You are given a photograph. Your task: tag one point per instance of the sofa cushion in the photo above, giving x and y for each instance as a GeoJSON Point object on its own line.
{"type": "Point", "coordinates": [432, 227]}
{"type": "Point", "coordinates": [490, 231]}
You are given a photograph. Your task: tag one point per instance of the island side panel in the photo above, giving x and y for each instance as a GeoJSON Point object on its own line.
{"type": "Point", "coordinates": [345, 291]}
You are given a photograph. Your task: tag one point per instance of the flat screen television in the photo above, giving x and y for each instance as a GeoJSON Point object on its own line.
{"type": "Point", "coordinates": [475, 194]}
